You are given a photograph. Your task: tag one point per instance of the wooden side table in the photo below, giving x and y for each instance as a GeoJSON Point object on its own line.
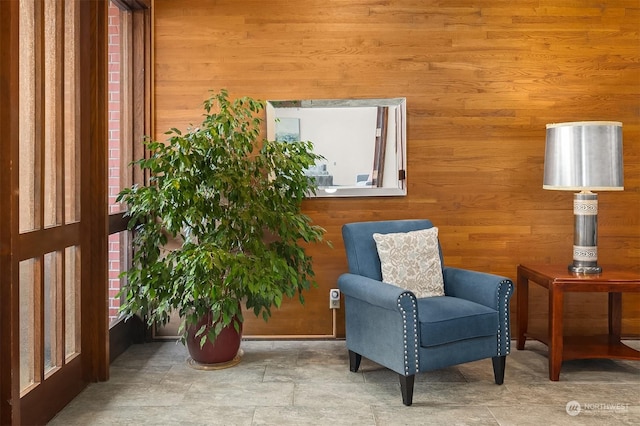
{"type": "Point", "coordinates": [558, 280]}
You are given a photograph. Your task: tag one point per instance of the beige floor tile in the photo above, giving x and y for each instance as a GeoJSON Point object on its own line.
{"type": "Point", "coordinates": [309, 383]}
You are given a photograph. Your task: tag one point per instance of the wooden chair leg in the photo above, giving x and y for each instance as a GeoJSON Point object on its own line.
{"type": "Point", "coordinates": [354, 361]}
{"type": "Point", "coordinates": [498, 368]}
{"type": "Point", "coordinates": [406, 387]}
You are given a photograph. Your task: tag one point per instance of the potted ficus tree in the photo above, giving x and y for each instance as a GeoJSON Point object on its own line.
{"type": "Point", "coordinates": [230, 203]}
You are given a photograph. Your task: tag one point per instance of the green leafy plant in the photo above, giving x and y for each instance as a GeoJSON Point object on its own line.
{"type": "Point", "coordinates": [232, 201]}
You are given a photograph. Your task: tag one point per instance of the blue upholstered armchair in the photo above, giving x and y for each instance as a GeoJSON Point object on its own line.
{"type": "Point", "coordinates": [390, 326]}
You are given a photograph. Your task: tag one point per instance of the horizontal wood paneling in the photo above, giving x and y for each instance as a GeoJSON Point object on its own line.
{"type": "Point", "coordinates": [481, 78]}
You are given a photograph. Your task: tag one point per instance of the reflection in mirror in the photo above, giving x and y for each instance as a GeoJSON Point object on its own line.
{"type": "Point", "coordinates": [363, 142]}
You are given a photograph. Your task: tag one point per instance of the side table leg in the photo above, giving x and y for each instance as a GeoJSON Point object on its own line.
{"type": "Point", "coordinates": [615, 315]}
{"type": "Point", "coordinates": [556, 304]}
{"type": "Point", "coordinates": [522, 291]}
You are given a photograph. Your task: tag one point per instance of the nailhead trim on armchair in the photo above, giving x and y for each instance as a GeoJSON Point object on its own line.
{"type": "Point", "coordinates": [410, 331]}
{"type": "Point", "coordinates": [504, 345]}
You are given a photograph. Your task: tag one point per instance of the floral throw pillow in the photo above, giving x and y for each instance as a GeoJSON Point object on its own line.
{"type": "Point", "coordinates": [411, 260]}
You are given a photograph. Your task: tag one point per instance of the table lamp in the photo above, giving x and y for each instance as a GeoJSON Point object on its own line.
{"type": "Point", "coordinates": [584, 156]}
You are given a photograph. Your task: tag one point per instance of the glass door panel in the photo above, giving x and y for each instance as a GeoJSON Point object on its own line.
{"type": "Point", "coordinates": [28, 278]}
{"type": "Point", "coordinates": [28, 150]}
{"type": "Point", "coordinates": [71, 302]}
{"type": "Point", "coordinates": [51, 66]}
{"type": "Point", "coordinates": [52, 302]}
{"type": "Point", "coordinates": [71, 159]}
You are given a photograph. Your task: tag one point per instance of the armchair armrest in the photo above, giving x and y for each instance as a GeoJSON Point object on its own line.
{"type": "Point", "coordinates": [480, 287]}
{"type": "Point", "coordinates": [381, 322]}
{"type": "Point", "coordinates": [489, 290]}
{"type": "Point", "coordinates": [368, 290]}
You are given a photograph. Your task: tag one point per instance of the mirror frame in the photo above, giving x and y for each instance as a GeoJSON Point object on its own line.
{"type": "Point", "coordinates": [274, 108]}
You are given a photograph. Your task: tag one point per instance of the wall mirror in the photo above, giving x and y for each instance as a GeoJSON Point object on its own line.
{"type": "Point", "coordinates": [363, 142]}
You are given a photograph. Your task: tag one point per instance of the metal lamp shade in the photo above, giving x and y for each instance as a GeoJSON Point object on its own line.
{"type": "Point", "coordinates": [584, 156]}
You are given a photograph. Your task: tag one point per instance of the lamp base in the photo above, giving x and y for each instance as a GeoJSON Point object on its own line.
{"type": "Point", "coordinates": [585, 235]}
{"type": "Point", "coordinates": [584, 269]}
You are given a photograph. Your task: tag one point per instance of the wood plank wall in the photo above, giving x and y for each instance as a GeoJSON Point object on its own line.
{"type": "Point", "coordinates": [481, 78]}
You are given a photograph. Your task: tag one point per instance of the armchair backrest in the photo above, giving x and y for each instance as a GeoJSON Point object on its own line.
{"type": "Point", "coordinates": [362, 254]}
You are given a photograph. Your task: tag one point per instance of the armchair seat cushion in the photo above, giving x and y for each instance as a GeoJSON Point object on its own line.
{"type": "Point", "coordinates": [445, 319]}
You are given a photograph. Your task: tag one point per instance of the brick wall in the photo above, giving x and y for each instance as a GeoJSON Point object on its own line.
{"type": "Point", "coordinates": [114, 154]}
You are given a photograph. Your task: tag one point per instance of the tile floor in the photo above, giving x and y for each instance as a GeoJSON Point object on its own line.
{"type": "Point", "coordinates": [309, 383]}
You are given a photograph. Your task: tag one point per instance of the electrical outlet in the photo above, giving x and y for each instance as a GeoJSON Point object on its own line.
{"type": "Point", "coordinates": [334, 298]}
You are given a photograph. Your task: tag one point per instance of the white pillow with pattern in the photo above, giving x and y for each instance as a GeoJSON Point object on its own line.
{"type": "Point", "coordinates": [411, 260]}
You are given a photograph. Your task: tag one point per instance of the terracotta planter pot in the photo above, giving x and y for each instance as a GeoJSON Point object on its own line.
{"type": "Point", "coordinates": [224, 349]}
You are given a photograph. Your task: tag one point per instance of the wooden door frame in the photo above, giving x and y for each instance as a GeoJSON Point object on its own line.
{"type": "Point", "coordinates": [93, 190]}
{"type": "Point", "coordinates": [93, 133]}
{"type": "Point", "coordinates": [9, 313]}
